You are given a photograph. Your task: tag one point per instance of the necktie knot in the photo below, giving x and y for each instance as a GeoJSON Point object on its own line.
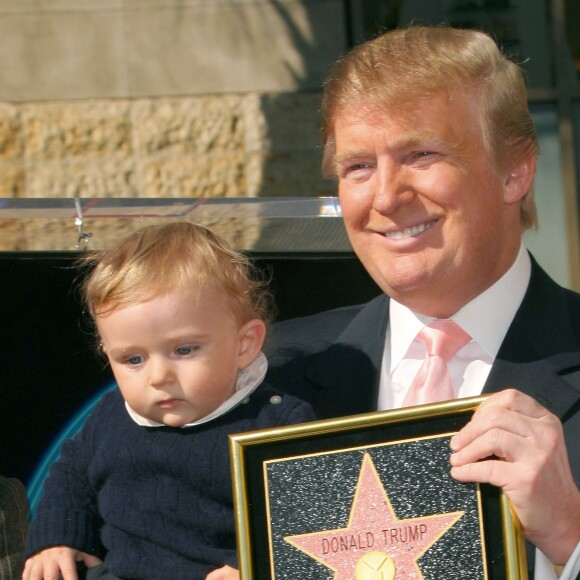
{"type": "Point", "coordinates": [443, 338]}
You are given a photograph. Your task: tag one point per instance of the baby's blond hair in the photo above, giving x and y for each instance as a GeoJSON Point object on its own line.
{"type": "Point", "coordinates": [158, 259]}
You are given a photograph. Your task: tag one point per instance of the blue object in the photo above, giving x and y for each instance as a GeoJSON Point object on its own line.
{"type": "Point", "coordinates": [36, 483]}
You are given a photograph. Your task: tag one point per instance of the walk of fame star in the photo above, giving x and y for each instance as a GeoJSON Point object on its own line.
{"type": "Point", "coordinates": [376, 543]}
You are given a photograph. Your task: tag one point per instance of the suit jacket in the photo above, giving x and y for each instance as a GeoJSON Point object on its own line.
{"type": "Point", "coordinates": [333, 359]}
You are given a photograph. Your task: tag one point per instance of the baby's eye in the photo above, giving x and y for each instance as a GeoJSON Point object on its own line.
{"type": "Point", "coordinates": [134, 360]}
{"type": "Point", "coordinates": [185, 350]}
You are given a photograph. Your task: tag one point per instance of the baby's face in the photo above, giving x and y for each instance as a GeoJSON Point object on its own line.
{"type": "Point", "coordinates": [175, 357]}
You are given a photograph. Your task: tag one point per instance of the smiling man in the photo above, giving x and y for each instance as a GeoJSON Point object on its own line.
{"type": "Point", "coordinates": [429, 134]}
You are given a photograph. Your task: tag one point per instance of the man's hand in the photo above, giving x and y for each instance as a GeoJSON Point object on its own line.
{"type": "Point", "coordinates": [225, 573]}
{"type": "Point", "coordinates": [514, 443]}
{"type": "Point", "coordinates": [49, 563]}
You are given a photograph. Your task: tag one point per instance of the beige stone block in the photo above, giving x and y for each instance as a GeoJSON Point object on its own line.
{"type": "Point", "coordinates": [294, 174]}
{"type": "Point", "coordinates": [62, 54]}
{"type": "Point", "coordinates": [59, 234]}
{"type": "Point", "coordinates": [188, 125]}
{"type": "Point", "coordinates": [282, 121]}
{"type": "Point", "coordinates": [12, 235]}
{"type": "Point", "coordinates": [255, 124]}
{"type": "Point", "coordinates": [292, 121]}
{"type": "Point", "coordinates": [109, 178]}
{"type": "Point", "coordinates": [9, 6]}
{"type": "Point", "coordinates": [139, 4]}
{"type": "Point", "coordinates": [49, 234]}
{"type": "Point", "coordinates": [254, 173]}
{"type": "Point", "coordinates": [102, 233]}
{"type": "Point", "coordinates": [105, 232]}
{"type": "Point", "coordinates": [12, 179]}
{"type": "Point", "coordinates": [10, 132]}
{"type": "Point", "coordinates": [63, 235]}
{"type": "Point", "coordinates": [217, 47]}
{"type": "Point", "coordinates": [193, 176]}
{"type": "Point", "coordinates": [283, 145]}
{"type": "Point", "coordinates": [66, 130]}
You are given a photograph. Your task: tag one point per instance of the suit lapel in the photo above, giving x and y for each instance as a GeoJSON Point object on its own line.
{"type": "Point", "coordinates": [540, 354]}
{"type": "Point", "coordinates": [349, 369]}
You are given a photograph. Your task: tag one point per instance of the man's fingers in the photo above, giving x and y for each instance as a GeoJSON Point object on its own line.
{"type": "Point", "coordinates": [510, 411]}
{"type": "Point", "coordinates": [495, 443]}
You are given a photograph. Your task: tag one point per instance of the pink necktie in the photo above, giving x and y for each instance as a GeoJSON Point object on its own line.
{"type": "Point", "coordinates": [442, 339]}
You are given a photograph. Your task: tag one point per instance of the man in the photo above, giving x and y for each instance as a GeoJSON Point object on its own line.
{"type": "Point", "coordinates": [428, 131]}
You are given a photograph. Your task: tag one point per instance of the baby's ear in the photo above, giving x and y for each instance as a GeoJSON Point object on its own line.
{"type": "Point", "coordinates": [251, 338]}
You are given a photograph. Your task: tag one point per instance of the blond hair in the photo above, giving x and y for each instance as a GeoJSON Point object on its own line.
{"type": "Point", "coordinates": [404, 64]}
{"type": "Point", "coordinates": [161, 258]}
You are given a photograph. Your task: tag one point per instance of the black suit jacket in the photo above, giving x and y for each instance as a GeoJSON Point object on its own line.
{"type": "Point", "coordinates": [333, 359]}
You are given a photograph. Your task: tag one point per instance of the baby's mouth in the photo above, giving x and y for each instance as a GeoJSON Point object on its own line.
{"type": "Point", "coordinates": [169, 403]}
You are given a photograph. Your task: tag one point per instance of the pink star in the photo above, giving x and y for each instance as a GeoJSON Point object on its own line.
{"type": "Point", "coordinates": [376, 534]}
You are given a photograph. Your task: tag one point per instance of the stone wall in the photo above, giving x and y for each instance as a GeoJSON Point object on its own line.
{"type": "Point", "coordinates": [160, 98]}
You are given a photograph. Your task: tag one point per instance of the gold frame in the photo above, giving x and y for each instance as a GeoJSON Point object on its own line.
{"type": "Point", "coordinates": [252, 452]}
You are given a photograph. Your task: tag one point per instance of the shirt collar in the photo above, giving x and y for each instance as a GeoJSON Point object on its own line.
{"type": "Point", "coordinates": [249, 379]}
{"type": "Point", "coordinates": [486, 318]}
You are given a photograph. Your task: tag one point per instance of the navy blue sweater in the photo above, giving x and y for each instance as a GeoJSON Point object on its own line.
{"type": "Point", "coordinates": [155, 503]}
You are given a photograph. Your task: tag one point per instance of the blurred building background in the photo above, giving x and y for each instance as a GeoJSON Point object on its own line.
{"type": "Point", "coordinates": [220, 99]}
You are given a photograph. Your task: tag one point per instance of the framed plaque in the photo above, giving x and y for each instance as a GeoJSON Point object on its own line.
{"type": "Point", "coordinates": [369, 497]}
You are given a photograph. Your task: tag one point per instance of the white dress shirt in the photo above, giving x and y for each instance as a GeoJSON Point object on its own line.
{"type": "Point", "coordinates": [486, 319]}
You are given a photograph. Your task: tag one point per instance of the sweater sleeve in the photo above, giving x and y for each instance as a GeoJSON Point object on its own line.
{"type": "Point", "coordinates": [67, 513]}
